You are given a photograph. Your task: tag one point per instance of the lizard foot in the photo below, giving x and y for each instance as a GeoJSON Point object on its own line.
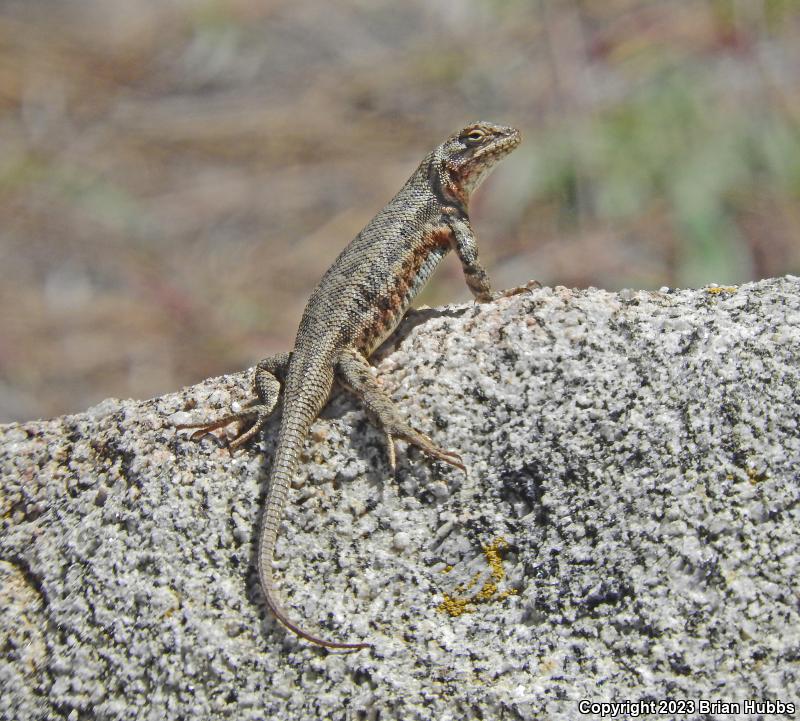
{"type": "Point", "coordinates": [425, 444]}
{"type": "Point", "coordinates": [261, 413]}
{"type": "Point", "coordinates": [530, 286]}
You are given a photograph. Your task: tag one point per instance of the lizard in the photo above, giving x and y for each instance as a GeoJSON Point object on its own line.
{"type": "Point", "coordinates": [357, 304]}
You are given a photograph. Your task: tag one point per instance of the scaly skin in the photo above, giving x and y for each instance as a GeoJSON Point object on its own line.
{"type": "Point", "coordinates": [356, 306]}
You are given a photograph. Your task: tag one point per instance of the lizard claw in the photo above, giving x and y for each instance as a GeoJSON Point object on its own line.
{"type": "Point", "coordinates": [450, 457]}
{"type": "Point", "coordinates": [391, 451]}
{"type": "Point", "coordinates": [529, 287]}
{"type": "Point", "coordinates": [454, 460]}
{"type": "Point", "coordinates": [199, 433]}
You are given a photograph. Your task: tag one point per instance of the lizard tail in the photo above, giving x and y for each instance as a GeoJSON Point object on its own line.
{"type": "Point", "coordinates": [292, 434]}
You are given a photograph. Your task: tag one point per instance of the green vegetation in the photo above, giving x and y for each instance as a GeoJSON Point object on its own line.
{"type": "Point", "coordinates": [674, 147]}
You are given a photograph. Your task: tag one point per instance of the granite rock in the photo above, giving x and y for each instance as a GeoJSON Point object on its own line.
{"type": "Point", "coordinates": [627, 529]}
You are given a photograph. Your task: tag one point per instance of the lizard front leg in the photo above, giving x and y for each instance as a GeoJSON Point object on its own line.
{"type": "Point", "coordinates": [354, 372]}
{"type": "Point", "coordinates": [267, 386]}
{"type": "Point", "coordinates": [466, 248]}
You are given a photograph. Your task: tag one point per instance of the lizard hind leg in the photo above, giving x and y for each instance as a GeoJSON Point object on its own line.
{"type": "Point", "coordinates": [267, 385]}
{"type": "Point", "coordinates": [354, 372]}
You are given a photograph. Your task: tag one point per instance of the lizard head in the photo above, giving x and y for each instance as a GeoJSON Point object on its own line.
{"type": "Point", "coordinates": [469, 155]}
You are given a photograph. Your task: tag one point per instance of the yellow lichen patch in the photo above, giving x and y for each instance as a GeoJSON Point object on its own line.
{"type": "Point", "coordinates": [717, 289]}
{"type": "Point", "coordinates": [492, 553]}
{"type": "Point", "coordinates": [489, 591]}
{"type": "Point", "coordinates": [454, 606]}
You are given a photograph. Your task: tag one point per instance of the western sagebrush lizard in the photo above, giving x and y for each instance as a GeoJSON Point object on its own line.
{"type": "Point", "coordinates": [356, 306]}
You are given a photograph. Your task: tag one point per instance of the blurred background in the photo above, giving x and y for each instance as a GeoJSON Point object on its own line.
{"type": "Point", "coordinates": [175, 176]}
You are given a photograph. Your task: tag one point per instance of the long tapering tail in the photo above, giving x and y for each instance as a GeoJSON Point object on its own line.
{"type": "Point", "coordinates": [294, 429]}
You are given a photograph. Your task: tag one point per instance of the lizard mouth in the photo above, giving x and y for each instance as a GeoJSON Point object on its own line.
{"type": "Point", "coordinates": [502, 145]}
{"type": "Point", "coordinates": [476, 168]}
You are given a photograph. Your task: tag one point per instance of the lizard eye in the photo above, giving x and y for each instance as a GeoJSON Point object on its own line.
{"type": "Point", "coordinates": [474, 136]}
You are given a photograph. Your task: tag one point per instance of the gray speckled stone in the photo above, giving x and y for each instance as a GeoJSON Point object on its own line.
{"type": "Point", "coordinates": [637, 451]}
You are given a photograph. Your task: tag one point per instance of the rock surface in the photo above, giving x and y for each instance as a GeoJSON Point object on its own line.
{"type": "Point", "coordinates": [627, 529]}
